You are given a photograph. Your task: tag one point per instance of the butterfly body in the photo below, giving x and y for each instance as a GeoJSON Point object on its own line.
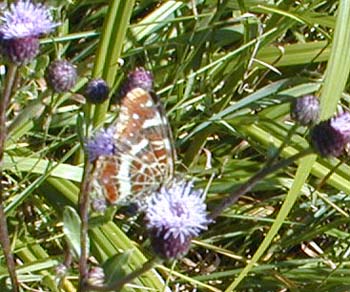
{"type": "Point", "coordinates": [144, 155]}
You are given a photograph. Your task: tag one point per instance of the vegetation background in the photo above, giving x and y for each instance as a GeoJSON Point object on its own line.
{"type": "Point", "coordinates": [226, 72]}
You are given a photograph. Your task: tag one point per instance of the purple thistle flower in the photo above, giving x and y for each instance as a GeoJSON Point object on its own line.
{"type": "Point", "coordinates": [174, 216]}
{"type": "Point", "coordinates": [140, 77]}
{"type": "Point", "coordinates": [330, 137]}
{"type": "Point", "coordinates": [25, 19]}
{"type": "Point", "coordinates": [21, 27]}
{"type": "Point", "coordinates": [102, 143]}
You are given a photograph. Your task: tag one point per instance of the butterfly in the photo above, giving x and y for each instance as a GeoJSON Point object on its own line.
{"type": "Point", "coordinates": [144, 155]}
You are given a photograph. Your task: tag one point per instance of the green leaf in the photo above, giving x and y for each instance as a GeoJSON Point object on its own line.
{"type": "Point", "coordinates": [71, 230]}
{"type": "Point", "coordinates": [117, 267]}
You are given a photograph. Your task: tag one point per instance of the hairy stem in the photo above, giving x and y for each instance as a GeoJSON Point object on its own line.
{"type": "Point", "coordinates": [84, 217]}
{"type": "Point", "coordinates": [4, 235]}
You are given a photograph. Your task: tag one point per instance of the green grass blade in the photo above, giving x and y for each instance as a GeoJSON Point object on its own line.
{"type": "Point", "coordinates": [338, 65]}
{"type": "Point", "coordinates": [112, 40]}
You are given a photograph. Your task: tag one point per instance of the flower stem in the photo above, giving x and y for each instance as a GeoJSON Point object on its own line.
{"type": "Point", "coordinates": [4, 235]}
{"type": "Point", "coordinates": [247, 186]}
{"type": "Point", "coordinates": [84, 217]}
{"type": "Point", "coordinates": [118, 285]}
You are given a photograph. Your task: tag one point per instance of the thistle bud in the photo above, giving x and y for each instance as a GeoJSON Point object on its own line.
{"type": "Point", "coordinates": [140, 77]}
{"type": "Point", "coordinates": [61, 76]}
{"type": "Point", "coordinates": [305, 110]}
{"type": "Point", "coordinates": [96, 91]}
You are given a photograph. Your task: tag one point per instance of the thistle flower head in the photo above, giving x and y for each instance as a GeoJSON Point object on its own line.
{"type": "Point", "coordinates": [174, 216]}
{"type": "Point", "coordinates": [20, 29]}
{"type": "Point", "coordinates": [305, 110]}
{"type": "Point", "coordinates": [140, 77]}
{"type": "Point", "coordinates": [25, 19]}
{"type": "Point", "coordinates": [329, 138]}
{"type": "Point", "coordinates": [102, 143]}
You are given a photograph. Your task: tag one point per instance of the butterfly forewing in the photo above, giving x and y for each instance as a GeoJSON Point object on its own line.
{"type": "Point", "coordinates": [144, 158]}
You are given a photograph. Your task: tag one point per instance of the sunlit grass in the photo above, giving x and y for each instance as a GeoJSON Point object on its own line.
{"type": "Point", "coordinates": [226, 73]}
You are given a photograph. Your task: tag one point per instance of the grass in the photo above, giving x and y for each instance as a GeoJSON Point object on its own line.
{"type": "Point", "coordinates": [226, 72]}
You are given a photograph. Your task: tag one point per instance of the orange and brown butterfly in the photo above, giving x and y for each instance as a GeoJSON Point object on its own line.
{"type": "Point", "coordinates": [135, 155]}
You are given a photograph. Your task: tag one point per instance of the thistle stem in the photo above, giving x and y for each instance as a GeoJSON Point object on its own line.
{"type": "Point", "coordinates": [84, 217]}
{"type": "Point", "coordinates": [247, 186]}
{"type": "Point", "coordinates": [118, 285]}
{"type": "Point", "coordinates": [4, 235]}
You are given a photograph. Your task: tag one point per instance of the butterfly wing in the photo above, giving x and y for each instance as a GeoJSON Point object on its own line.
{"type": "Point", "coordinates": [145, 154]}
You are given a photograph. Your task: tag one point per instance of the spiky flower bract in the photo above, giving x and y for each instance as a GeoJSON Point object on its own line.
{"type": "Point", "coordinates": [20, 29]}
{"type": "Point", "coordinates": [305, 110]}
{"type": "Point", "coordinates": [174, 216]}
{"type": "Point", "coordinates": [96, 276]}
{"type": "Point", "coordinates": [329, 138]}
{"type": "Point", "coordinates": [141, 78]}
{"type": "Point", "coordinates": [102, 143]}
{"type": "Point", "coordinates": [61, 76]}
